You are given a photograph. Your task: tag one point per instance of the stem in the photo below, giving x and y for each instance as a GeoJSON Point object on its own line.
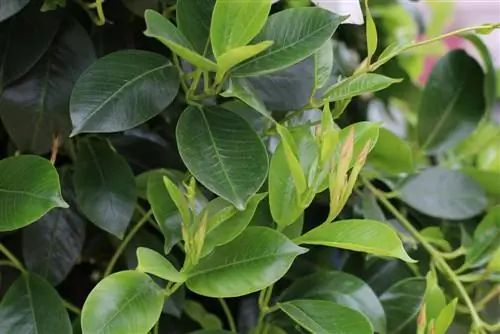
{"type": "Point", "coordinates": [125, 242]}
{"type": "Point", "coordinates": [486, 299]}
{"type": "Point", "coordinates": [156, 329]}
{"type": "Point", "coordinates": [264, 299]}
{"type": "Point", "coordinates": [181, 73]}
{"type": "Point", "coordinates": [7, 263]}
{"type": "Point", "coordinates": [171, 289]}
{"type": "Point", "coordinates": [229, 316]}
{"type": "Point", "coordinates": [15, 262]}
{"type": "Point", "coordinates": [438, 258]}
{"type": "Point", "coordinates": [71, 307]}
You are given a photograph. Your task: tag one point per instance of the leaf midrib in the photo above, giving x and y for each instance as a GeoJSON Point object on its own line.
{"type": "Point", "coordinates": [30, 299]}
{"type": "Point", "coordinates": [22, 192]}
{"type": "Point", "coordinates": [305, 314]}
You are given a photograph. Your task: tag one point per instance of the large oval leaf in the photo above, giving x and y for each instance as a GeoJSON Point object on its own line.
{"type": "Point", "coordinates": [322, 317]}
{"type": "Point", "coordinates": [128, 302]}
{"type": "Point", "coordinates": [9, 8]}
{"type": "Point", "coordinates": [254, 260]}
{"type": "Point", "coordinates": [121, 91]}
{"type": "Point", "coordinates": [297, 33]}
{"type": "Point", "coordinates": [36, 107]}
{"type": "Point", "coordinates": [223, 152]}
{"type": "Point", "coordinates": [32, 306]}
{"type": "Point", "coordinates": [453, 102]}
{"type": "Point", "coordinates": [343, 289]}
{"type": "Point", "coordinates": [358, 235]}
{"type": "Point", "coordinates": [105, 186]}
{"type": "Point", "coordinates": [445, 194]}
{"type": "Point", "coordinates": [193, 21]}
{"type": "Point", "coordinates": [29, 188]}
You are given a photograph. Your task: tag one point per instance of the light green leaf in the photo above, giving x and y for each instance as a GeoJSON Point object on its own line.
{"type": "Point", "coordinates": [179, 199]}
{"type": "Point", "coordinates": [213, 154]}
{"type": "Point", "coordinates": [486, 237]}
{"type": "Point", "coordinates": [445, 318]}
{"type": "Point", "coordinates": [29, 188]}
{"type": "Point", "coordinates": [205, 319]}
{"type": "Point", "coordinates": [193, 21]}
{"type": "Point", "coordinates": [316, 316]}
{"type": "Point", "coordinates": [257, 258]}
{"type": "Point", "coordinates": [236, 23]}
{"type": "Point", "coordinates": [489, 180]}
{"type": "Point", "coordinates": [391, 154]}
{"type": "Point", "coordinates": [434, 297]}
{"type": "Point", "coordinates": [32, 306]}
{"type": "Point", "coordinates": [363, 132]}
{"type": "Point", "coordinates": [297, 33]}
{"type": "Point", "coordinates": [358, 85]}
{"type": "Point", "coordinates": [294, 230]}
{"type": "Point", "coordinates": [445, 194]}
{"type": "Point", "coordinates": [323, 64]}
{"type": "Point", "coordinates": [371, 34]}
{"type": "Point", "coordinates": [358, 235]}
{"type": "Point", "coordinates": [434, 235]}
{"type": "Point", "coordinates": [127, 302]}
{"type": "Point", "coordinates": [494, 263]}
{"type": "Point", "coordinates": [151, 262]}
{"type": "Point", "coordinates": [162, 29]}
{"type": "Point", "coordinates": [114, 93]}
{"type": "Point", "coordinates": [291, 152]}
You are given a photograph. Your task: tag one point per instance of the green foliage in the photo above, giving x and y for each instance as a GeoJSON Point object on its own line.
{"type": "Point", "coordinates": [158, 157]}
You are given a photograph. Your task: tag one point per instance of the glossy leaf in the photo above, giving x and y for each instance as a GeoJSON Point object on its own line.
{"type": "Point", "coordinates": [214, 156]}
{"type": "Point", "coordinates": [341, 288]}
{"type": "Point", "coordinates": [235, 24]}
{"type": "Point", "coordinates": [162, 29]}
{"type": "Point", "coordinates": [362, 84]}
{"type": "Point", "coordinates": [297, 33]}
{"type": "Point", "coordinates": [443, 193]}
{"type": "Point", "coordinates": [32, 306]}
{"type": "Point", "coordinates": [121, 91]}
{"type": "Point", "coordinates": [11, 7]}
{"type": "Point", "coordinates": [29, 188]}
{"type": "Point", "coordinates": [127, 302]}
{"type": "Point", "coordinates": [452, 103]}
{"type": "Point", "coordinates": [371, 33]}
{"type": "Point", "coordinates": [257, 258]}
{"type": "Point", "coordinates": [391, 154]}
{"type": "Point", "coordinates": [316, 316]}
{"type": "Point", "coordinates": [358, 235]}
{"type": "Point", "coordinates": [154, 263]}
{"type": "Point", "coordinates": [105, 187]}
{"type": "Point", "coordinates": [193, 21]}
{"type": "Point", "coordinates": [445, 318]}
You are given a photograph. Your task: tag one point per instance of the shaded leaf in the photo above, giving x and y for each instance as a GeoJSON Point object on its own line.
{"type": "Point", "coordinates": [193, 21]}
{"type": "Point", "coordinates": [205, 319]}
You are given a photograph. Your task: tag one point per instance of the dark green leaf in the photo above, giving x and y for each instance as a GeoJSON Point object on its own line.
{"type": "Point", "coordinates": [138, 7]}
{"type": "Point", "coordinates": [391, 154]}
{"type": "Point", "coordinates": [36, 107]}
{"type": "Point", "coordinates": [121, 91]}
{"type": "Point", "coordinates": [297, 33]}
{"type": "Point", "coordinates": [443, 193]}
{"type": "Point", "coordinates": [105, 186]}
{"type": "Point", "coordinates": [128, 302]}
{"type": "Point", "coordinates": [211, 142]}
{"type": "Point", "coordinates": [323, 317]}
{"type": "Point", "coordinates": [257, 258]}
{"type": "Point", "coordinates": [154, 263]}
{"type": "Point", "coordinates": [9, 8]}
{"type": "Point", "coordinates": [193, 21]}
{"type": "Point", "coordinates": [29, 188]}
{"type": "Point", "coordinates": [32, 306]}
{"type": "Point", "coordinates": [205, 319]}
{"type": "Point", "coordinates": [452, 103]}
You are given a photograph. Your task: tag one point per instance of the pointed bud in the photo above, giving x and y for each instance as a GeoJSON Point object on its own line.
{"type": "Point", "coordinates": [422, 316]}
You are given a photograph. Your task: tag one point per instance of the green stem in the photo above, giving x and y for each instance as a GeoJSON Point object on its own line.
{"type": "Point", "coordinates": [486, 299]}
{"type": "Point", "coordinates": [436, 255]}
{"type": "Point", "coordinates": [229, 316]}
{"type": "Point", "coordinates": [125, 242]}
{"type": "Point", "coordinates": [13, 260]}
{"type": "Point", "coordinates": [72, 307]}
{"type": "Point", "coordinates": [453, 255]}
{"type": "Point", "coordinates": [264, 299]}
{"type": "Point", "coordinates": [156, 329]}
{"type": "Point", "coordinates": [181, 73]}
{"type": "Point", "coordinates": [171, 289]}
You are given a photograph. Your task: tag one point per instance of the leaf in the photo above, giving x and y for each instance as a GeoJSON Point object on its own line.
{"type": "Point", "coordinates": [154, 263]}
{"type": "Point", "coordinates": [34, 109]}
{"type": "Point", "coordinates": [316, 317]}
{"type": "Point", "coordinates": [358, 235]}
{"type": "Point", "coordinates": [341, 288]}
{"type": "Point", "coordinates": [235, 24]}
{"type": "Point", "coordinates": [32, 306]}
{"type": "Point", "coordinates": [445, 194]}
{"type": "Point", "coordinates": [445, 318]}
{"type": "Point", "coordinates": [163, 30]}
{"type": "Point", "coordinates": [11, 7]}
{"type": "Point", "coordinates": [29, 188]}
{"type": "Point", "coordinates": [24, 39]}
{"type": "Point", "coordinates": [323, 64]}
{"type": "Point", "coordinates": [205, 319]}
{"type": "Point", "coordinates": [486, 237]}
{"type": "Point", "coordinates": [105, 187]}
{"type": "Point", "coordinates": [214, 156]}
{"type": "Point", "coordinates": [391, 154]}
{"type": "Point", "coordinates": [371, 34]}
{"type": "Point", "coordinates": [127, 302]}
{"type": "Point", "coordinates": [115, 93]}
{"type": "Point", "coordinates": [489, 180]}
{"type": "Point", "coordinates": [297, 33]}
{"type": "Point", "coordinates": [402, 303]}
{"type": "Point", "coordinates": [293, 164]}
{"type": "Point", "coordinates": [452, 103]}
{"type": "Point", "coordinates": [434, 297]}
{"type": "Point", "coordinates": [358, 85]}
{"type": "Point", "coordinates": [193, 21]}
{"type": "Point", "coordinates": [255, 259]}
{"type": "Point", "coordinates": [494, 263]}
{"type": "Point", "coordinates": [221, 232]}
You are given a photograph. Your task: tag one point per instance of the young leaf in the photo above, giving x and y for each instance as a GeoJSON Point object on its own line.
{"type": "Point", "coordinates": [358, 85]}
{"type": "Point", "coordinates": [358, 235]}
{"type": "Point", "coordinates": [371, 34]}
{"type": "Point", "coordinates": [104, 186]}
{"type": "Point", "coordinates": [215, 158]}
{"type": "Point", "coordinates": [291, 151]}
{"type": "Point", "coordinates": [434, 297]}
{"type": "Point", "coordinates": [162, 29]}
{"type": "Point", "coordinates": [445, 194]}
{"type": "Point", "coordinates": [31, 305]}
{"type": "Point", "coordinates": [494, 263]}
{"type": "Point", "coordinates": [151, 262]}
{"type": "Point", "coordinates": [179, 200]}
{"type": "Point", "coordinates": [29, 188]}
{"type": "Point", "coordinates": [297, 33]}
{"type": "Point", "coordinates": [193, 21]}
{"type": "Point", "coordinates": [236, 23]}
{"type": "Point", "coordinates": [316, 317]}
{"type": "Point", "coordinates": [113, 94]}
{"type": "Point", "coordinates": [445, 318]}
{"type": "Point", "coordinates": [127, 302]}
{"type": "Point", "coordinates": [391, 154]}
{"type": "Point", "coordinates": [255, 259]}
{"type": "Point", "coordinates": [486, 237]}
